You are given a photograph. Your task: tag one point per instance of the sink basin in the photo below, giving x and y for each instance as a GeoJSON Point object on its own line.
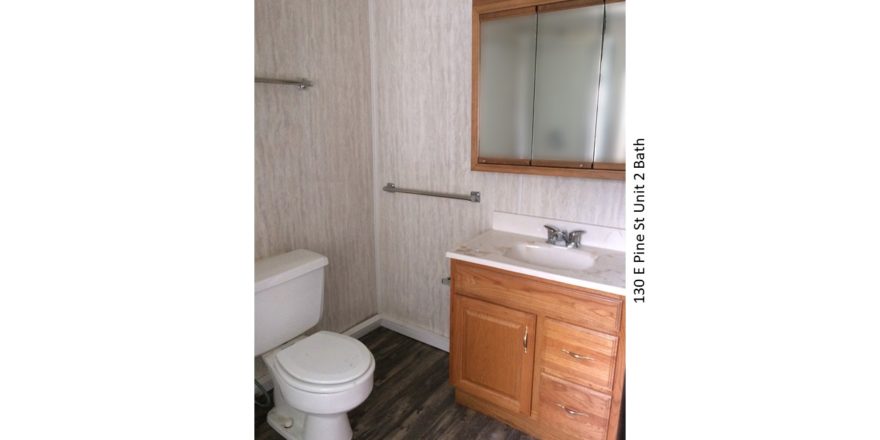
{"type": "Point", "coordinates": [554, 257]}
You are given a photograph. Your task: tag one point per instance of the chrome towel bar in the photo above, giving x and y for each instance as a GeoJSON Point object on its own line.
{"type": "Point", "coordinates": [302, 83]}
{"type": "Point", "coordinates": [473, 197]}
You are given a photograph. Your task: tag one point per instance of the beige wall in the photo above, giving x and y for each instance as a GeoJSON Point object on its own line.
{"type": "Point", "coordinates": [315, 185]}
{"type": "Point", "coordinates": [422, 67]}
{"type": "Point", "coordinates": [313, 156]}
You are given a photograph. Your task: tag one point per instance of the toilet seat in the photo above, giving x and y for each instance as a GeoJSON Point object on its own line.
{"type": "Point", "coordinates": [325, 362]}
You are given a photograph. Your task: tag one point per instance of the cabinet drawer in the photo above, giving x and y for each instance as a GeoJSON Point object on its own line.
{"type": "Point", "coordinates": [578, 354]}
{"type": "Point", "coordinates": [576, 305]}
{"type": "Point", "coordinates": [572, 410]}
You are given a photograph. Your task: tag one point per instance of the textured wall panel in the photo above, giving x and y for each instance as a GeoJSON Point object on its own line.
{"type": "Point", "coordinates": [422, 65]}
{"type": "Point", "coordinates": [313, 149]}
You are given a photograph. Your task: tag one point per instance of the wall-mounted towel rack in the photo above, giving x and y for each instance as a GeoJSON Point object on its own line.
{"type": "Point", "coordinates": [473, 197]}
{"type": "Point", "coordinates": [302, 83]}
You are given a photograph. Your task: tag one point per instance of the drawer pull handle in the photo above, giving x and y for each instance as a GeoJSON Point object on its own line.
{"type": "Point", "coordinates": [570, 411]}
{"type": "Point", "coordinates": [526, 340]}
{"type": "Point", "coordinates": [579, 357]}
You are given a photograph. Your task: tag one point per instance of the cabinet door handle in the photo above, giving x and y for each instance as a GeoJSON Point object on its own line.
{"type": "Point", "coordinates": [570, 411]}
{"type": "Point", "coordinates": [579, 357]}
{"type": "Point", "coordinates": [526, 340]}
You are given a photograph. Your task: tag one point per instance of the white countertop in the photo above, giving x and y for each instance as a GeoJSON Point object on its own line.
{"type": "Point", "coordinates": [489, 248]}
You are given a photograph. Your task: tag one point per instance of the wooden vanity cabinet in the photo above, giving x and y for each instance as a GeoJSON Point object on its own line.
{"type": "Point", "coordinates": [545, 357]}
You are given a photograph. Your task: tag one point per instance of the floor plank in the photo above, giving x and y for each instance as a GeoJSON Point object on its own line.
{"type": "Point", "coordinates": [411, 398]}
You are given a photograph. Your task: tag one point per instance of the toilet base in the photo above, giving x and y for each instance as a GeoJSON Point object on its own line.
{"type": "Point", "coordinates": [290, 426]}
{"type": "Point", "coordinates": [296, 425]}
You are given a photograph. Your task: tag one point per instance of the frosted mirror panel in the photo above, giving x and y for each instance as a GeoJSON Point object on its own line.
{"type": "Point", "coordinates": [610, 122]}
{"type": "Point", "coordinates": [507, 75]}
{"type": "Point", "coordinates": [566, 84]}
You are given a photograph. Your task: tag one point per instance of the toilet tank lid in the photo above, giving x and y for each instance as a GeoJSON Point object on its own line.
{"type": "Point", "coordinates": [272, 271]}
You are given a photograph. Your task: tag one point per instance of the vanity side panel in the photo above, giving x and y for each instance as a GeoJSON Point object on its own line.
{"type": "Point", "coordinates": [619, 379]}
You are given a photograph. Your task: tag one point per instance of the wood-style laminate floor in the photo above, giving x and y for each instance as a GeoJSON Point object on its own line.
{"type": "Point", "coordinates": [411, 398]}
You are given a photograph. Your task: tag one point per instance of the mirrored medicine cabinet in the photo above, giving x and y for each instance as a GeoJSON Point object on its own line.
{"type": "Point", "coordinates": [548, 87]}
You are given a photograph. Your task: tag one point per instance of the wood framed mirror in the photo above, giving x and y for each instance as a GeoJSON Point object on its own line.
{"type": "Point", "coordinates": [548, 87]}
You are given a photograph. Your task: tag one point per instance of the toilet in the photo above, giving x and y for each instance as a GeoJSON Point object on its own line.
{"type": "Point", "coordinates": [318, 378]}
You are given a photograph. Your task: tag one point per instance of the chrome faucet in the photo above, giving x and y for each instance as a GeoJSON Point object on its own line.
{"type": "Point", "coordinates": [558, 237]}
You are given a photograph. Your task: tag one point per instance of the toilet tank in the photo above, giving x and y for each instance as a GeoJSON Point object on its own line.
{"type": "Point", "coordinates": [288, 297]}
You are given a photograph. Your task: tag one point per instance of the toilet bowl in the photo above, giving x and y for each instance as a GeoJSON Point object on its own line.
{"type": "Point", "coordinates": [319, 378]}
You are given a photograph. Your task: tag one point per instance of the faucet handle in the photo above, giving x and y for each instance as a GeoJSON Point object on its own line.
{"type": "Point", "coordinates": [574, 238]}
{"type": "Point", "coordinates": [552, 233]}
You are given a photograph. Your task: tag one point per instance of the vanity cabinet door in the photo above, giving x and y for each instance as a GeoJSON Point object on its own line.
{"type": "Point", "coordinates": [492, 353]}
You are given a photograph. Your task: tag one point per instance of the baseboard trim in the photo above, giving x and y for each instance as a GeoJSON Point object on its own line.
{"type": "Point", "coordinates": [417, 333]}
{"type": "Point", "coordinates": [364, 327]}
{"type": "Point", "coordinates": [413, 331]}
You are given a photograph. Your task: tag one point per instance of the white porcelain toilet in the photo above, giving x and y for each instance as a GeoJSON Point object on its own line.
{"type": "Point", "coordinates": [319, 378]}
